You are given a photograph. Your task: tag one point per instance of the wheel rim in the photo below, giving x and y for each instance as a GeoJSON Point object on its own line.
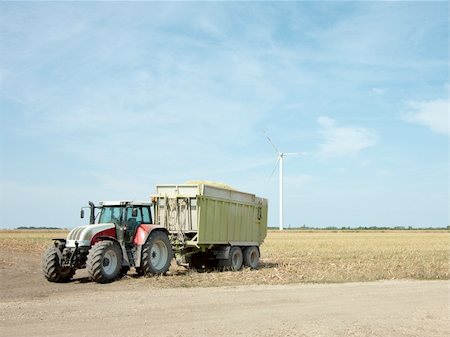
{"type": "Point", "coordinates": [236, 260]}
{"type": "Point", "coordinates": [253, 257]}
{"type": "Point", "coordinates": [159, 254]}
{"type": "Point", "coordinates": [109, 262]}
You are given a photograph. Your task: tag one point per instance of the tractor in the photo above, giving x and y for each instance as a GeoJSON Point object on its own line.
{"type": "Point", "coordinates": [120, 235]}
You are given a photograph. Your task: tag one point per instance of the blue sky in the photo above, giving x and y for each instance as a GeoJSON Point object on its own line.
{"type": "Point", "coordinates": [101, 101]}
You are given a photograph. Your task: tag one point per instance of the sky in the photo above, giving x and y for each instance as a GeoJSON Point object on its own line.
{"type": "Point", "coordinates": [104, 100]}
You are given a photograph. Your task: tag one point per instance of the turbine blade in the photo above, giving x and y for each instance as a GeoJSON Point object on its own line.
{"type": "Point", "coordinates": [294, 153]}
{"type": "Point", "coordinates": [270, 141]}
{"type": "Point", "coordinates": [274, 169]}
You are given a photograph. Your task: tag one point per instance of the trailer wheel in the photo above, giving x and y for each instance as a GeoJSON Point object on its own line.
{"type": "Point", "coordinates": [236, 258]}
{"type": "Point", "coordinates": [251, 257]}
{"type": "Point", "coordinates": [234, 262]}
{"type": "Point", "coordinates": [104, 261]}
{"type": "Point", "coordinates": [53, 272]}
{"type": "Point", "coordinates": [157, 254]}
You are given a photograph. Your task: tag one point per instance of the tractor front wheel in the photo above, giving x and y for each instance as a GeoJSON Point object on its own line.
{"type": "Point", "coordinates": [104, 261]}
{"type": "Point", "coordinates": [51, 268]}
{"type": "Point", "coordinates": [156, 254]}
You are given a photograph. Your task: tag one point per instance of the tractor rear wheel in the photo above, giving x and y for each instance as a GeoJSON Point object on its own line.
{"type": "Point", "coordinates": [157, 254]}
{"type": "Point", "coordinates": [251, 257]}
{"type": "Point", "coordinates": [104, 261]}
{"type": "Point", "coordinates": [51, 268]}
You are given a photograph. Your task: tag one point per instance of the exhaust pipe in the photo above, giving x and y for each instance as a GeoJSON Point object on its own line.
{"type": "Point", "coordinates": [92, 217]}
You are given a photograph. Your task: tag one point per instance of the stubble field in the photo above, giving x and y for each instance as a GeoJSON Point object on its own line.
{"type": "Point", "coordinates": [295, 257]}
{"type": "Point", "coordinates": [309, 284]}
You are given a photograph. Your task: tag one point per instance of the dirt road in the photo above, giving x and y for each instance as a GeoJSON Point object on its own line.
{"type": "Point", "coordinates": [396, 308]}
{"type": "Point", "coordinates": [31, 306]}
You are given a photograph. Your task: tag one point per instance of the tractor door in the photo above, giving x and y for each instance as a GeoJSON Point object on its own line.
{"type": "Point", "coordinates": [133, 218]}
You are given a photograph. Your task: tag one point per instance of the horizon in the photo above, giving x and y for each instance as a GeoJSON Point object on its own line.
{"type": "Point", "coordinates": [303, 227]}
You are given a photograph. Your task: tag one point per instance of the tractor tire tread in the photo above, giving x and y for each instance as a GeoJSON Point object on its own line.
{"type": "Point", "coordinates": [95, 260]}
{"type": "Point", "coordinates": [51, 268]}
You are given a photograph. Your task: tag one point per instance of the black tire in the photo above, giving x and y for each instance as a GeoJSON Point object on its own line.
{"type": "Point", "coordinates": [236, 258]}
{"type": "Point", "coordinates": [234, 262]}
{"type": "Point", "coordinates": [251, 257]}
{"type": "Point", "coordinates": [157, 254]}
{"type": "Point", "coordinates": [104, 261]}
{"type": "Point", "coordinates": [53, 272]}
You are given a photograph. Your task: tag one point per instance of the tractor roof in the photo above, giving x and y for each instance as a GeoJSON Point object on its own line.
{"type": "Point", "coordinates": [125, 202]}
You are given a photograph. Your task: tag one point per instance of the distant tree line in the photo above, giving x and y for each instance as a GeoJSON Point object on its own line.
{"type": "Point", "coordinates": [42, 227]}
{"type": "Point", "coordinates": [304, 227]}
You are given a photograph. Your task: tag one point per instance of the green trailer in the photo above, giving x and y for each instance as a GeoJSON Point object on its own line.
{"type": "Point", "coordinates": [212, 225]}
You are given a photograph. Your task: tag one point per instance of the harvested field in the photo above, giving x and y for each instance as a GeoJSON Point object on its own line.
{"type": "Point", "coordinates": [296, 257]}
{"type": "Point", "coordinates": [236, 303]}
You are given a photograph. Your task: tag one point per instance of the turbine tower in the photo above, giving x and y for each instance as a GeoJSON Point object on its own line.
{"type": "Point", "coordinates": [281, 156]}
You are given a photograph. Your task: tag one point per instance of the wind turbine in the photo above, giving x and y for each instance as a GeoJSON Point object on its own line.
{"type": "Point", "coordinates": [281, 155]}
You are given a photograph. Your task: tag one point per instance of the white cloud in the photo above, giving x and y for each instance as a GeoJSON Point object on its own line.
{"type": "Point", "coordinates": [342, 141]}
{"type": "Point", "coordinates": [378, 91]}
{"type": "Point", "coordinates": [432, 114]}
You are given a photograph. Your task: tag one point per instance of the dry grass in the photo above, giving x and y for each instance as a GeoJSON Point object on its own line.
{"type": "Point", "coordinates": [359, 256]}
{"type": "Point", "coordinates": [297, 257]}
{"type": "Point", "coordinates": [34, 241]}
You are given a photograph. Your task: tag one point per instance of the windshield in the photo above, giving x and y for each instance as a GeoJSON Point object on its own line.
{"type": "Point", "coordinates": [111, 214]}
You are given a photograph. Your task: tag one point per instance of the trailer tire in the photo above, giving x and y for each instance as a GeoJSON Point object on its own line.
{"type": "Point", "coordinates": [157, 254]}
{"type": "Point", "coordinates": [251, 257]}
{"type": "Point", "coordinates": [51, 268]}
{"type": "Point", "coordinates": [234, 262]}
{"type": "Point", "coordinates": [104, 261]}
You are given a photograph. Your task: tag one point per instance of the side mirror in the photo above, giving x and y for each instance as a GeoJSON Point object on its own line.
{"type": "Point", "coordinates": [134, 212]}
{"type": "Point", "coordinates": [82, 214]}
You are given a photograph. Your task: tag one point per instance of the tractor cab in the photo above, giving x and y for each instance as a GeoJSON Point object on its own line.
{"type": "Point", "coordinates": [127, 216]}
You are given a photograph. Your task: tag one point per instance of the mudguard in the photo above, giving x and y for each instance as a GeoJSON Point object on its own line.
{"type": "Point", "coordinates": [107, 233]}
{"type": "Point", "coordinates": [141, 236]}
{"type": "Point", "coordinates": [143, 231]}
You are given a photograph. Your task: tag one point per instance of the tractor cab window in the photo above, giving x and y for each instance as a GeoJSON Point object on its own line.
{"type": "Point", "coordinates": [146, 215]}
{"type": "Point", "coordinates": [111, 215]}
{"type": "Point", "coordinates": [133, 221]}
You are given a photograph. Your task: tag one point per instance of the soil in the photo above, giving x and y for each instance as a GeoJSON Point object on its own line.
{"type": "Point", "coordinates": [31, 306]}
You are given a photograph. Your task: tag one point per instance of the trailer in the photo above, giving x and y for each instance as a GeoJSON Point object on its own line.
{"type": "Point", "coordinates": [212, 225]}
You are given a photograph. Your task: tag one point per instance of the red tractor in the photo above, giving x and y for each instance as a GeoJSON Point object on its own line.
{"type": "Point", "coordinates": [121, 234]}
